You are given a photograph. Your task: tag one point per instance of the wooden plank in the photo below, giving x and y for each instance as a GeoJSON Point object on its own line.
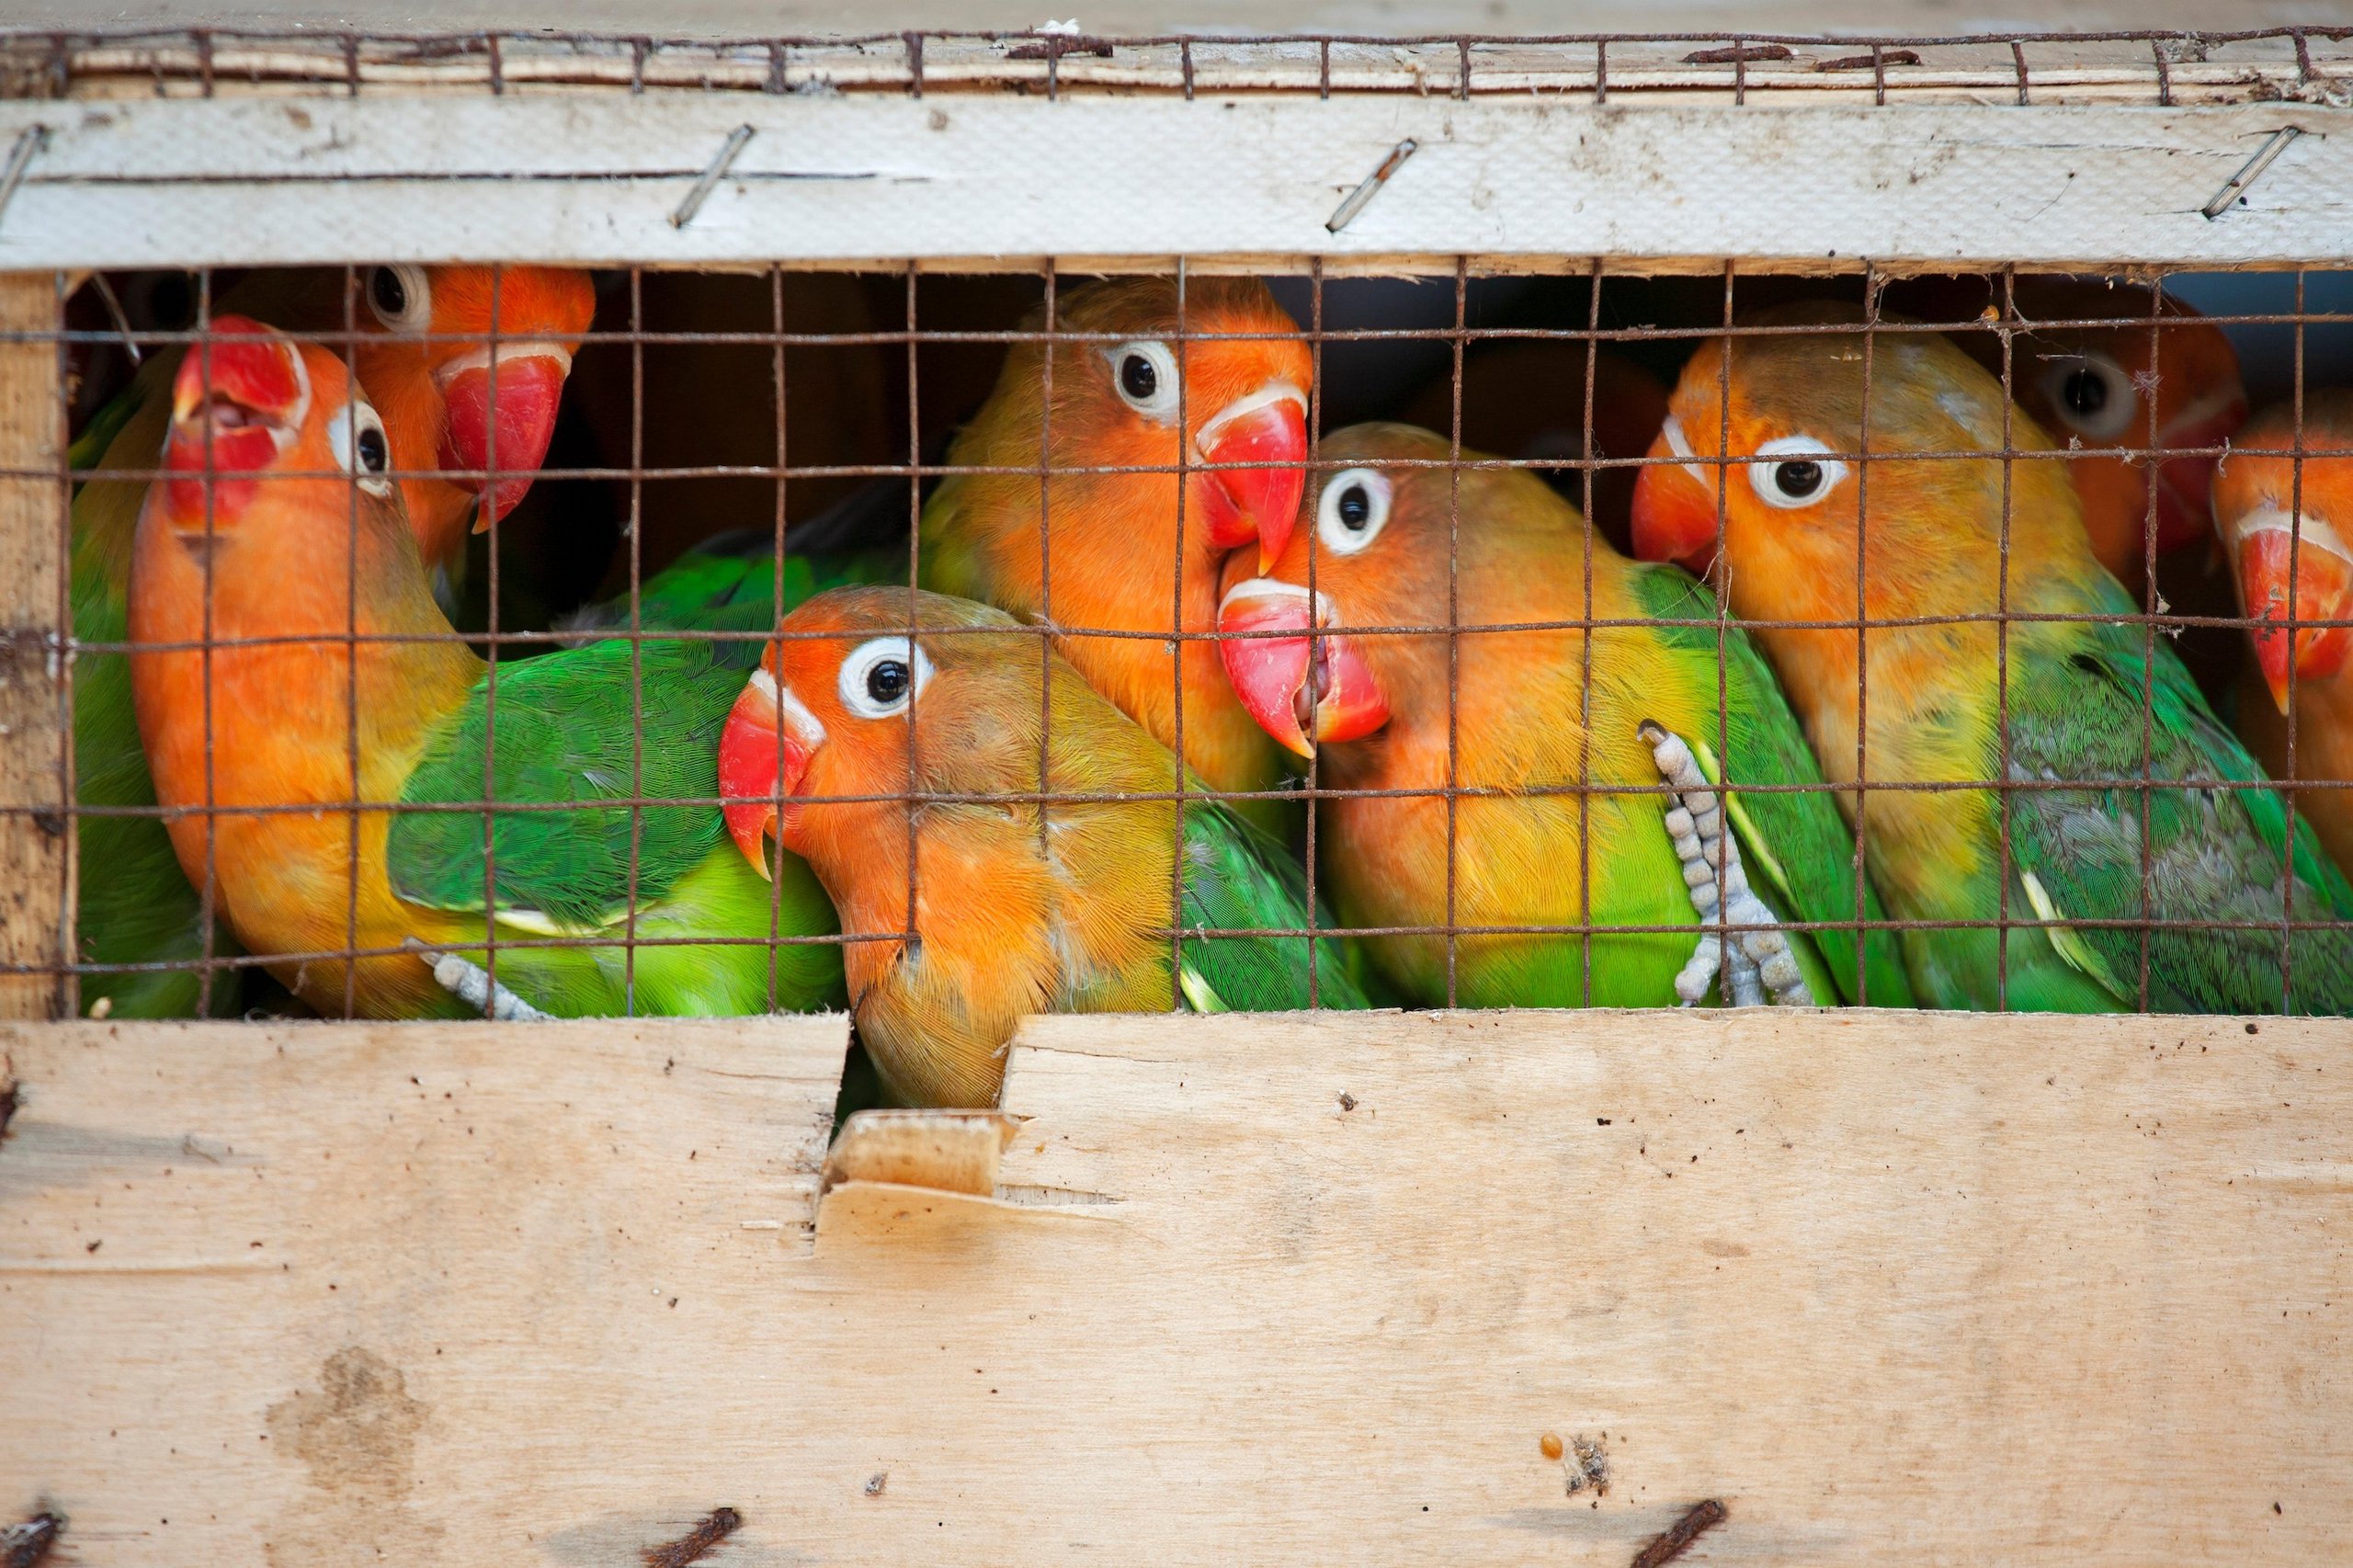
{"type": "Point", "coordinates": [2077, 70]}
{"type": "Point", "coordinates": [36, 887]}
{"type": "Point", "coordinates": [596, 177]}
{"type": "Point", "coordinates": [1890, 1285]}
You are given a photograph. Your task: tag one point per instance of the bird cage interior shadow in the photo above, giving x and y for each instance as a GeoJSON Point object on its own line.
{"type": "Point", "coordinates": [1611, 578]}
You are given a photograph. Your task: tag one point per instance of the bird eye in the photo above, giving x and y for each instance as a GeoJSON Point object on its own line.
{"type": "Point", "coordinates": [1352, 509]}
{"type": "Point", "coordinates": [401, 297]}
{"type": "Point", "coordinates": [1789, 472]}
{"type": "Point", "coordinates": [1145, 373]}
{"type": "Point", "coordinates": [2091, 396]}
{"type": "Point", "coordinates": [356, 433]}
{"type": "Point", "coordinates": [880, 675]}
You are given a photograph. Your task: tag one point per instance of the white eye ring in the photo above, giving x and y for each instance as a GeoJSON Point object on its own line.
{"type": "Point", "coordinates": [867, 687]}
{"type": "Point", "coordinates": [401, 297]}
{"type": "Point", "coordinates": [1776, 487]}
{"type": "Point", "coordinates": [1366, 487]}
{"type": "Point", "coordinates": [356, 433]}
{"type": "Point", "coordinates": [2119, 401]}
{"type": "Point", "coordinates": [1144, 372]}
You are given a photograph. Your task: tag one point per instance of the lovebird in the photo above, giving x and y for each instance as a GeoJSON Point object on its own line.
{"type": "Point", "coordinates": [304, 722]}
{"type": "Point", "coordinates": [2265, 518]}
{"type": "Point", "coordinates": [1371, 707]}
{"type": "Point", "coordinates": [1017, 909]}
{"type": "Point", "coordinates": [2074, 828]}
{"type": "Point", "coordinates": [2093, 386]}
{"type": "Point", "coordinates": [134, 905]}
{"type": "Point", "coordinates": [1110, 561]}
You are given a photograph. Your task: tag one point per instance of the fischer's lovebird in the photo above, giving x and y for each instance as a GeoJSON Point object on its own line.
{"type": "Point", "coordinates": [1537, 709]}
{"type": "Point", "coordinates": [2055, 823]}
{"type": "Point", "coordinates": [334, 798]}
{"type": "Point", "coordinates": [1134, 396]}
{"type": "Point", "coordinates": [1019, 906]}
{"type": "Point", "coordinates": [2270, 518]}
{"type": "Point", "coordinates": [2119, 382]}
{"type": "Point", "coordinates": [134, 907]}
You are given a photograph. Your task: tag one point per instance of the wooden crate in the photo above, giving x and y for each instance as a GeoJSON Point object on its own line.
{"type": "Point", "coordinates": [1466, 1288]}
{"type": "Point", "coordinates": [1889, 1286]}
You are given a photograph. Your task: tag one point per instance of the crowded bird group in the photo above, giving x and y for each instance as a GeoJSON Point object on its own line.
{"type": "Point", "coordinates": [1547, 770]}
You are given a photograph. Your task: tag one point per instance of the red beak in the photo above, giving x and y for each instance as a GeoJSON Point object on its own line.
{"type": "Point", "coordinates": [762, 759]}
{"type": "Point", "coordinates": [2185, 485]}
{"type": "Point", "coordinates": [530, 385]}
{"type": "Point", "coordinates": [1298, 687]}
{"type": "Point", "coordinates": [233, 404]}
{"type": "Point", "coordinates": [1675, 506]}
{"type": "Point", "coordinates": [2324, 592]}
{"type": "Point", "coordinates": [1266, 428]}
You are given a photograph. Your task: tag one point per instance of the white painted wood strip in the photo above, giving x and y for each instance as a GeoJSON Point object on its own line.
{"type": "Point", "coordinates": [594, 177]}
{"type": "Point", "coordinates": [1892, 1287]}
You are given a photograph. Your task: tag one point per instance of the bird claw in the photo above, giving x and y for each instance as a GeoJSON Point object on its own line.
{"type": "Point", "coordinates": [472, 983]}
{"type": "Point", "coordinates": [1757, 962]}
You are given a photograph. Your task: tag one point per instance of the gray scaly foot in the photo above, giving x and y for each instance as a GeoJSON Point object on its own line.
{"type": "Point", "coordinates": [472, 983]}
{"type": "Point", "coordinates": [1759, 960]}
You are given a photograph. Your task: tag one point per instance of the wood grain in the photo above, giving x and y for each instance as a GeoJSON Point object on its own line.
{"type": "Point", "coordinates": [1892, 1287]}
{"type": "Point", "coordinates": [2094, 69]}
{"type": "Point", "coordinates": [35, 884]}
{"type": "Point", "coordinates": [1533, 181]}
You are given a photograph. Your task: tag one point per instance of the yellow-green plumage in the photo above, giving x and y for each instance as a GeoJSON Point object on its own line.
{"type": "Point", "coordinates": [2094, 707]}
{"type": "Point", "coordinates": [1020, 908]}
{"type": "Point", "coordinates": [1547, 711]}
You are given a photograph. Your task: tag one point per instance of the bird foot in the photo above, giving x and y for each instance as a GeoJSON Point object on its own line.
{"type": "Point", "coordinates": [472, 983]}
{"type": "Point", "coordinates": [1757, 962]}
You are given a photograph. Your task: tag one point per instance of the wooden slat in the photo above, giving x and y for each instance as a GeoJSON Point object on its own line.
{"type": "Point", "coordinates": [596, 177]}
{"type": "Point", "coordinates": [35, 888]}
{"type": "Point", "coordinates": [1891, 1287]}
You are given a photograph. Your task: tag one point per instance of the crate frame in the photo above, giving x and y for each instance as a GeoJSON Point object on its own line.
{"type": "Point", "coordinates": [1162, 1139]}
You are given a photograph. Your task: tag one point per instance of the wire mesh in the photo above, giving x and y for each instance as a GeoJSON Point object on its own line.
{"type": "Point", "coordinates": [2169, 67]}
{"type": "Point", "coordinates": [1603, 313]}
{"type": "Point", "coordinates": [698, 404]}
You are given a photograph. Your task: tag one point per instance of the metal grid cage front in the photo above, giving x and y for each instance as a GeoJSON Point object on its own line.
{"type": "Point", "coordinates": [515, 640]}
{"type": "Point", "coordinates": [2016, 513]}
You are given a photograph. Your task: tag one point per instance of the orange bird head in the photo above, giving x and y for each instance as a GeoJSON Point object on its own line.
{"type": "Point", "coordinates": [844, 698]}
{"type": "Point", "coordinates": [1377, 530]}
{"type": "Point", "coordinates": [1232, 400]}
{"type": "Point", "coordinates": [2101, 385]}
{"type": "Point", "coordinates": [260, 420]}
{"type": "Point", "coordinates": [1788, 410]}
{"type": "Point", "coordinates": [425, 358]}
{"type": "Point", "coordinates": [2280, 524]}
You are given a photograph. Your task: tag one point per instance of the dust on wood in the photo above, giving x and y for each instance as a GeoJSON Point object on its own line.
{"type": "Point", "coordinates": [27, 1544]}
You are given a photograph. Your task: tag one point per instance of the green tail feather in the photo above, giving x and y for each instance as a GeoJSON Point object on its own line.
{"type": "Point", "coordinates": [1238, 878]}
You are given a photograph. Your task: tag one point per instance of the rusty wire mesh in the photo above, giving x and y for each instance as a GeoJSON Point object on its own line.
{"type": "Point", "coordinates": [2170, 66]}
{"type": "Point", "coordinates": [94, 350]}
{"type": "Point", "coordinates": [631, 336]}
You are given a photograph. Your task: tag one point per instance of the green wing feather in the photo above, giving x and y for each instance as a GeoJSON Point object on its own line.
{"type": "Point", "coordinates": [2214, 853]}
{"type": "Point", "coordinates": [565, 738]}
{"type": "Point", "coordinates": [1237, 878]}
{"type": "Point", "coordinates": [1799, 852]}
{"type": "Point", "coordinates": [564, 735]}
